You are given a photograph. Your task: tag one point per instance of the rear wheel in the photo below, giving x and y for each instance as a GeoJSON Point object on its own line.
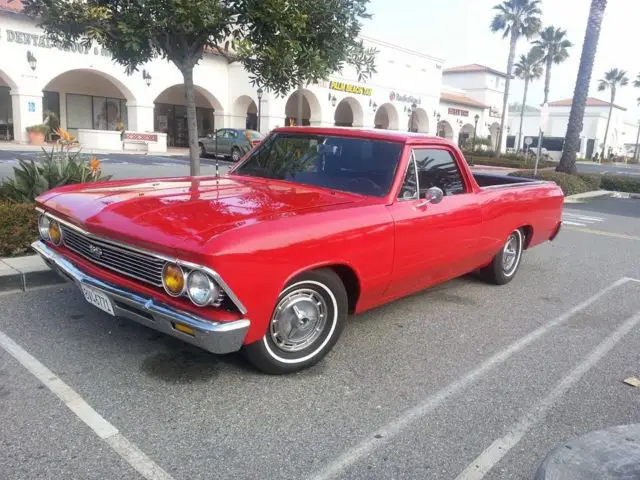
{"type": "Point", "coordinates": [305, 325]}
{"type": "Point", "coordinates": [507, 261]}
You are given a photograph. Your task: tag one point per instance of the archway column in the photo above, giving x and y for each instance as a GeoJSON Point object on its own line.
{"type": "Point", "coordinates": [140, 117]}
{"type": "Point", "coordinates": [27, 111]}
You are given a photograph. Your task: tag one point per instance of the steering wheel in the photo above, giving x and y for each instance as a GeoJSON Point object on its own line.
{"type": "Point", "coordinates": [374, 185]}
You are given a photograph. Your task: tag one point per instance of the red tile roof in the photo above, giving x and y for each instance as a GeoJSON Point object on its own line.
{"type": "Point", "coordinates": [591, 102]}
{"type": "Point", "coordinates": [11, 5]}
{"type": "Point", "coordinates": [474, 67]}
{"type": "Point", "coordinates": [461, 100]}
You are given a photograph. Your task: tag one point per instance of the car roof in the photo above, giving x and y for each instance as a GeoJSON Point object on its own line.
{"type": "Point", "coordinates": [368, 133]}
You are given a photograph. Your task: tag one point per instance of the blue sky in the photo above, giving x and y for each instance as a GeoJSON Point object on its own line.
{"type": "Point", "coordinates": [458, 31]}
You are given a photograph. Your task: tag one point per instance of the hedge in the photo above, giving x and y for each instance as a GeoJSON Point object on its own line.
{"type": "Point", "coordinates": [621, 183]}
{"type": "Point", "coordinates": [515, 162]}
{"type": "Point", "coordinates": [570, 184]}
{"type": "Point", "coordinates": [18, 228]}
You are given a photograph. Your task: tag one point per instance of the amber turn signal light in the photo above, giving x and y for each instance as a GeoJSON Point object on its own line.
{"type": "Point", "coordinates": [173, 279]}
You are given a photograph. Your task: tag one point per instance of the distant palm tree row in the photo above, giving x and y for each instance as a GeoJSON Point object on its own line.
{"type": "Point", "coordinates": [516, 19]}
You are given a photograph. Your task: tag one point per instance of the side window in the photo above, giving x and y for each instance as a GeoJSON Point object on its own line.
{"type": "Point", "coordinates": [438, 168]}
{"type": "Point", "coordinates": [409, 190]}
{"type": "Point", "coordinates": [233, 133]}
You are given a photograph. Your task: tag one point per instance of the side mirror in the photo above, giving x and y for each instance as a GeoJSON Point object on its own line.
{"type": "Point", "coordinates": [434, 195]}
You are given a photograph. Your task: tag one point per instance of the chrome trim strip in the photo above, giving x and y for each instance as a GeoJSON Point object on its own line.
{"type": "Point", "coordinates": [215, 337]}
{"type": "Point", "coordinates": [517, 184]}
{"type": "Point", "coordinates": [232, 296]}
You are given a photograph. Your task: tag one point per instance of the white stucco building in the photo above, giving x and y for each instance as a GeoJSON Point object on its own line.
{"type": "Point", "coordinates": [92, 96]}
{"type": "Point", "coordinates": [622, 131]}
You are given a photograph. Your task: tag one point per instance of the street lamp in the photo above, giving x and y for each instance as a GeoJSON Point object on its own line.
{"type": "Point", "coordinates": [31, 58]}
{"type": "Point", "coordinates": [412, 113]}
{"type": "Point", "coordinates": [334, 100]}
{"type": "Point", "coordinates": [260, 92]}
{"type": "Point", "coordinates": [475, 129]}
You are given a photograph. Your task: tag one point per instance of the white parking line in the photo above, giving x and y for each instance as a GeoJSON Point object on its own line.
{"type": "Point", "coordinates": [107, 432]}
{"type": "Point", "coordinates": [477, 469]}
{"type": "Point", "coordinates": [429, 404]}
{"type": "Point", "coordinates": [567, 222]}
{"type": "Point", "coordinates": [582, 217]}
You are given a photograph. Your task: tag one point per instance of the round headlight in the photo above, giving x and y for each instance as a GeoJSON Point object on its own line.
{"type": "Point", "coordinates": [43, 227]}
{"type": "Point", "coordinates": [173, 279]}
{"type": "Point", "coordinates": [55, 234]}
{"type": "Point", "coordinates": [201, 289]}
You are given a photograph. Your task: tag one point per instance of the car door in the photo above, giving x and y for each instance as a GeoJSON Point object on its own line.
{"type": "Point", "coordinates": [221, 142]}
{"type": "Point", "coordinates": [433, 241]}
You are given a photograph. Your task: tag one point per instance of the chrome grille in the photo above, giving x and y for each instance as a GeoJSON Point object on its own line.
{"type": "Point", "coordinates": [140, 266]}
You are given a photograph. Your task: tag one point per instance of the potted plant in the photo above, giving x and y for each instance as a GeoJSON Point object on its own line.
{"type": "Point", "coordinates": [36, 133]}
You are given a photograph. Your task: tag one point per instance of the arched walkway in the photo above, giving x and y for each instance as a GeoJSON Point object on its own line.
{"type": "Point", "coordinates": [244, 113]}
{"type": "Point", "coordinates": [6, 107]}
{"type": "Point", "coordinates": [445, 130]}
{"type": "Point", "coordinates": [386, 117]}
{"type": "Point", "coordinates": [348, 113]}
{"type": "Point", "coordinates": [87, 99]}
{"type": "Point", "coordinates": [465, 136]}
{"type": "Point", "coordinates": [170, 114]}
{"type": "Point", "coordinates": [311, 110]}
{"type": "Point", "coordinates": [419, 122]}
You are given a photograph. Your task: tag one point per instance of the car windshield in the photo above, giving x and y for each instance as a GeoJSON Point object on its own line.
{"type": "Point", "coordinates": [355, 165]}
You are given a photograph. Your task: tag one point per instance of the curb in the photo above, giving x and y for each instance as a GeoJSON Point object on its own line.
{"type": "Point", "coordinates": [25, 273]}
{"type": "Point", "coordinates": [579, 197]}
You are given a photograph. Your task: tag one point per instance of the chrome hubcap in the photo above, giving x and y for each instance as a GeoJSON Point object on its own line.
{"type": "Point", "coordinates": [510, 253]}
{"type": "Point", "coordinates": [299, 319]}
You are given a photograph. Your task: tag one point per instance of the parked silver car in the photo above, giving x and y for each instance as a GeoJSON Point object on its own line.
{"type": "Point", "coordinates": [229, 142]}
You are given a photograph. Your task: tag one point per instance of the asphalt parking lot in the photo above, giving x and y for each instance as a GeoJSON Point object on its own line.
{"type": "Point", "coordinates": [465, 380]}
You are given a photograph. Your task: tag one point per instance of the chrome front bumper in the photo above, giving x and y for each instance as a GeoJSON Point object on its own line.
{"type": "Point", "coordinates": [215, 337]}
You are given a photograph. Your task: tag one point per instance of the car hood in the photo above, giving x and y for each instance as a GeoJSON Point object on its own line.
{"type": "Point", "coordinates": [179, 213]}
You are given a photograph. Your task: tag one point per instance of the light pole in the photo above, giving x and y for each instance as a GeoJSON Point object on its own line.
{"type": "Point", "coordinates": [475, 129]}
{"type": "Point", "coordinates": [260, 92]}
{"type": "Point", "coordinates": [635, 154]}
{"type": "Point", "coordinates": [412, 113]}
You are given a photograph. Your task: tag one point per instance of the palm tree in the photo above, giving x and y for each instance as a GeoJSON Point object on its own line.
{"type": "Point", "coordinates": [528, 68]}
{"type": "Point", "coordinates": [612, 80]}
{"type": "Point", "coordinates": [515, 19]}
{"type": "Point", "coordinates": [576, 117]}
{"type": "Point", "coordinates": [554, 46]}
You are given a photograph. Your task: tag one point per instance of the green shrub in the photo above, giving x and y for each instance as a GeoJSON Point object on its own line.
{"type": "Point", "coordinates": [621, 183]}
{"type": "Point", "coordinates": [593, 180]}
{"type": "Point", "coordinates": [56, 168]}
{"type": "Point", "coordinates": [570, 184]}
{"type": "Point", "coordinates": [18, 228]}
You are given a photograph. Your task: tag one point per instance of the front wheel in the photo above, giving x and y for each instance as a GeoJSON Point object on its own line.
{"type": "Point", "coordinates": [203, 151]}
{"type": "Point", "coordinates": [507, 261]}
{"type": "Point", "coordinates": [235, 155]}
{"type": "Point", "coordinates": [305, 325]}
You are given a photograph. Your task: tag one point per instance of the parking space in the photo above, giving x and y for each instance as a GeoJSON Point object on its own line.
{"type": "Point", "coordinates": [420, 388]}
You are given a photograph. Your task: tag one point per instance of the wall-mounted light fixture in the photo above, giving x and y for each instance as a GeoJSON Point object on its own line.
{"type": "Point", "coordinates": [31, 58]}
{"type": "Point", "coordinates": [147, 77]}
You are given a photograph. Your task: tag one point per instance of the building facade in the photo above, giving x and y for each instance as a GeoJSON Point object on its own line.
{"type": "Point", "coordinates": [94, 98]}
{"type": "Point", "coordinates": [621, 139]}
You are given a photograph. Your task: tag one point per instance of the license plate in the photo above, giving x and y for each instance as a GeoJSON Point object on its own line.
{"type": "Point", "coordinates": [98, 299]}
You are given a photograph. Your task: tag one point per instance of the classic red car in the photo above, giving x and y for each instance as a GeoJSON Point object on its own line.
{"type": "Point", "coordinates": [312, 225]}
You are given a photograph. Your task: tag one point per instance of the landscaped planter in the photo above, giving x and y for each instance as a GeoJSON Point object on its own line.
{"type": "Point", "coordinates": [36, 138]}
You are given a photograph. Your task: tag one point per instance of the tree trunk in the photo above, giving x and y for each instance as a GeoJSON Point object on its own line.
{"type": "Point", "coordinates": [576, 117]}
{"type": "Point", "coordinates": [192, 121]}
{"type": "Point", "coordinates": [547, 80]}
{"type": "Point", "coordinates": [524, 104]}
{"type": "Point", "coordinates": [606, 130]}
{"type": "Point", "coordinates": [635, 153]}
{"type": "Point", "coordinates": [507, 84]}
{"type": "Point", "coordinates": [300, 103]}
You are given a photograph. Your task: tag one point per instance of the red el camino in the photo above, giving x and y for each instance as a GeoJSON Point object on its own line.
{"type": "Point", "coordinates": [312, 225]}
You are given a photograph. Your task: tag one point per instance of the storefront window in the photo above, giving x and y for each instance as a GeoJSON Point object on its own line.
{"type": "Point", "coordinates": [97, 113]}
{"type": "Point", "coordinates": [172, 120]}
